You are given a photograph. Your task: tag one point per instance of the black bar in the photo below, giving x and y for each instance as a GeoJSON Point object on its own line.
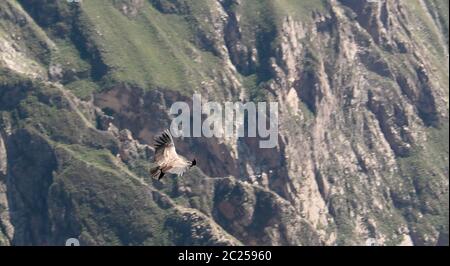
{"type": "Point", "coordinates": [166, 256]}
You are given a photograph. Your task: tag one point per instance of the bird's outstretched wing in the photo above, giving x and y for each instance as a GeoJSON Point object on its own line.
{"type": "Point", "coordinates": [165, 149]}
{"type": "Point", "coordinates": [180, 166]}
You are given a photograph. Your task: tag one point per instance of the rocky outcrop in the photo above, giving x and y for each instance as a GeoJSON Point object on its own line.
{"type": "Point", "coordinates": [192, 228]}
{"type": "Point", "coordinates": [3, 158]}
{"type": "Point", "coordinates": [6, 229]}
{"type": "Point", "coordinates": [260, 217]}
{"type": "Point", "coordinates": [129, 8]}
{"type": "Point", "coordinates": [27, 186]}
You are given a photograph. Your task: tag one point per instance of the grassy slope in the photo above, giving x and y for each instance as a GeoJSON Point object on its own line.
{"type": "Point", "coordinates": [152, 49]}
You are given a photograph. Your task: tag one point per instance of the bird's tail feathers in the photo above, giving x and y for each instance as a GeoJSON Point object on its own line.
{"type": "Point", "coordinates": [155, 171]}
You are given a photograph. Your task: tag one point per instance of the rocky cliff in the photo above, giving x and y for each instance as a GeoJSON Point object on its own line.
{"type": "Point", "coordinates": [362, 155]}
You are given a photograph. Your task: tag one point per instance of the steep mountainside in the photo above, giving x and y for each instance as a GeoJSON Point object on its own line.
{"type": "Point", "coordinates": [362, 87]}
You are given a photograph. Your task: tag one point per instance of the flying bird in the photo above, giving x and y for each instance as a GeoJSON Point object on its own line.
{"type": "Point", "coordinates": [167, 159]}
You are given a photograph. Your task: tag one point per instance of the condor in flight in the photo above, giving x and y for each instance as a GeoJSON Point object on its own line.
{"type": "Point", "coordinates": [167, 159]}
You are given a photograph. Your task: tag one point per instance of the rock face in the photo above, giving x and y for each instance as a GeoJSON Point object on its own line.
{"type": "Point", "coordinates": [362, 155]}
